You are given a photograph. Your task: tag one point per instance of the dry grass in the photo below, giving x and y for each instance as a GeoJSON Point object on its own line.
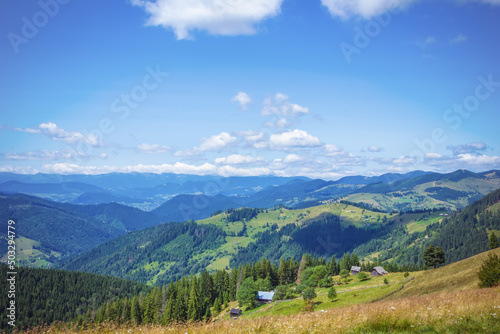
{"type": "Point", "coordinates": [457, 276]}
{"type": "Point", "coordinates": [473, 311]}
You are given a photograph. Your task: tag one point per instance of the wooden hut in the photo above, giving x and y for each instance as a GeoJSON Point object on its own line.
{"type": "Point", "coordinates": [355, 270]}
{"type": "Point", "coordinates": [378, 271]}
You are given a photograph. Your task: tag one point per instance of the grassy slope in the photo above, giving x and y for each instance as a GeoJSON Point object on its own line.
{"type": "Point", "coordinates": [457, 276]}
{"type": "Point", "coordinates": [281, 217]}
{"type": "Point", "coordinates": [425, 305]}
{"type": "Point", "coordinates": [471, 185]}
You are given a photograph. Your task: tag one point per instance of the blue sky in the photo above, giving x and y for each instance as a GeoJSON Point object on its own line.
{"type": "Point", "coordinates": [323, 89]}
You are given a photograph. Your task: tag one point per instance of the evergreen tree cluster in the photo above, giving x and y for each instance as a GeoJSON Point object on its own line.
{"type": "Point", "coordinates": [243, 214]}
{"type": "Point", "coordinates": [48, 295]}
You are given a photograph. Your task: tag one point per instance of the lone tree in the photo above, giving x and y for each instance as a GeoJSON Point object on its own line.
{"type": "Point", "coordinates": [493, 240]}
{"type": "Point", "coordinates": [489, 274]}
{"type": "Point", "coordinates": [434, 256]}
{"type": "Point", "coordinates": [332, 293]}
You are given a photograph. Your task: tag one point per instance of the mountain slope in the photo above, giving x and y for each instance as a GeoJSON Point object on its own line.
{"type": "Point", "coordinates": [454, 191]}
{"type": "Point", "coordinates": [50, 230]}
{"type": "Point", "coordinates": [186, 207]}
{"type": "Point", "coordinates": [461, 235]}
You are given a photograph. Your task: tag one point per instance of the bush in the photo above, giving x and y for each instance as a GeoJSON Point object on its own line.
{"type": "Point", "coordinates": [309, 293]}
{"type": "Point", "coordinates": [282, 292]}
{"type": "Point", "coordinates": [344, 273]}
{"type": "Point", "coordinates": [386, 281]}
{"type": "Point", "coordinates": [362, 276]}
{"type": "Point", "coordinates": [326, 282]}
{"type": "Point", "coordinates": [489, 274]}
{"type": "Point", "coordinates": [407, 274]}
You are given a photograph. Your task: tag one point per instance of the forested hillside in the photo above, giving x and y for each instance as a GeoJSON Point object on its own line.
{"type": "Point", "coordinates": [48, 295]}
{"type": "Point", "coordinates": [461, 235]}
{"type": "Point", "coordinates": [155, 255]}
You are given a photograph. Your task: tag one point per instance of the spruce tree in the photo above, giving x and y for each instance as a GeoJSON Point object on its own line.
{"type": "Point", "coordinates": [194, 302]}
{"type": "Point", "coordinates": [493, 240]}
{"type": "Point", "coordinates": [136, 311]}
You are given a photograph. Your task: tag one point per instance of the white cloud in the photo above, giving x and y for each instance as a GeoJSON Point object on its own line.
{"type": "Point", "coordinates": [473, 147]}
{"type": "Point", "coordinates": [293, 139]}
{"type": "Point", "coordinates": [243, 99]}
{"type": "Point", "coordinates": [237, 159]}
{"type": "Point", "coordinates": [280, 106]}
{"type": "Point", "coordinates": [217, 17]}
{"type": "Point", "coordinates": [54, 132]}
{"type": "Point", "coordinates": [374, 149]}
{"type": "Point", "coordinates": [292, 158]}
{"type": "Point", "coordinates": [280, 123]}
{"type": "Point", "coordinates": [404, 161]}
{"type": "Point", "coordinates": [251, 136]}
{"type": "Point", "coordinates": [484, 161]}
{"type": "Point", "coordinates": [39, 155]}
{"type": "Point", "coordinates": [433, 156]}
{"type": "Point", "coordinates": [364, 8]}
{"type": "Point", "coordinates": [153, 148]}
{"type": "Point", "coordinates": [213, 143]}
{"type": "Point", "coordinates": [458, 39]}
{"type": "Point", "coordinates": [370, 8]}
{"type": "Point", "coordinates": [332, 149]}
{"type": "Point", "coordinates": [216, 142]}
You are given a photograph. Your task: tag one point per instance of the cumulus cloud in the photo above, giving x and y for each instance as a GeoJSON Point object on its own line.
{"type": "Point", "coordinates": [374, 149]}
{"type": "Point", "coordinates": [237, 159]}
{"type": "Point", "coordinates": [293, 158]}
{"type": "Point", "coordinates": [472, 148]}
{"type": "Point", "coordinates": [251, 136]}
{"type": "Point", "coordinates": [370, 8]}
{"type": "Point", "coordinates": [242, 99]}
{"type": "Point", "coordinates": [153, 148]}
{"type": "Point", "coordinates": [458, 39]}
{"type": "Point", "coordinates": [280, 106]}
{"type": "Point", "coordinates": [54, 132]}
{"type": "Point", "coordinates": [217, 17]}
{"type": "Point", "coordinates": [213, 143]}
{"type": "Point", "coordinates": [293, 139]}
{"type": "Point", "coordinates": [280, 124]}
{"type": "Point", "coordinates": [483, 161]}
{"type": "Point", "coordinates": [364, 8]}
{"type": "Point", "coordinates": [433, 156]}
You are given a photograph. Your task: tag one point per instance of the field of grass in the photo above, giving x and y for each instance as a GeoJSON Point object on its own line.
{"type": "Point", "coordinates": [457, 276]}
{"type": "Point", "coordinates": [27, 253]}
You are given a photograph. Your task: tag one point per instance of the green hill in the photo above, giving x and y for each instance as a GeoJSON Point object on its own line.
{"type": "Point", "coordinates": [169, 251]}
{"type": "Point", "coordinates": [49, 231]}
{"type": "Point", "coordinates": [453, 191]}
{"type": "Point", "coordinates": [461, 235]}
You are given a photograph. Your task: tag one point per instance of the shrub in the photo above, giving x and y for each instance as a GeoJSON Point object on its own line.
{"type": "Point", "coordinates": [362, 276]}
{"type": "Point", "coordinates": [309, 293]}
{"type": "Point", "coordinates": [407, 274]}
{"type": "Point", "coordinates": [489, 274]}
{"type": "Point", "coordinates": [344, 273]}
{"type": "Point", "coordinates": [386, 281]}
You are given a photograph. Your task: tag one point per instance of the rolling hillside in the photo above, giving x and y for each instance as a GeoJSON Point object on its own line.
{"type": "Point", "coordinates": [159, 254]}
{"type": "Point", "coordinates": [453, 191]}
{"type": "Point", "coordinates": [49, 231]}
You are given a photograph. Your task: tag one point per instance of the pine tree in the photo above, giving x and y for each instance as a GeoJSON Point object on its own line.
{"type": "Point", "coordinates": [136, 311]}
{"type": "Point", "coordinates": [332, 293]}
{"type": "Point", "coordinates": [194, 302]}
{"type": "Point", "coordinates": [493, 240]}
